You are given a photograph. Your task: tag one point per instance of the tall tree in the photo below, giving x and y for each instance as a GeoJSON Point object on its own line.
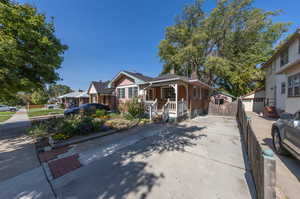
{"type": "Point", "coordinates": [30, 53]}
{"type": "Point", "coordinates": [224, 46]}
{"type": "Point", "coordinates": [58, 89]}
{"type": "Point", "coordinates": [39, 96]}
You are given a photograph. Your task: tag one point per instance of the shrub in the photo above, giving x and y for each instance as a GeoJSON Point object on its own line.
{"type": "Point", "coordinates": [38, 130]}
{"type": "Point", "coordinates": [132, 109]}
{"type": "Point", "coordinates": [100, 113]}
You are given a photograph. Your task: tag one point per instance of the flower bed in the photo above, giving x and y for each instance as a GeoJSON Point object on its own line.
{"type": "Point", "coordinates": [65, 128]}
{"type": "Point", "coordinates": [61, 129]}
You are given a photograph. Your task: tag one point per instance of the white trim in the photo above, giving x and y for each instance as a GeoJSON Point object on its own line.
{"type": "Point", "coordinates": [165, 80]}
{"type": "Point", "coordinates": [128, 86]}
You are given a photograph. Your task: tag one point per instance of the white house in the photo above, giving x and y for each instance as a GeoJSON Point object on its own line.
{"type": "Point", "coordinates": [254, 101]}
{"type": "Point", "coordinates": [283, 76]}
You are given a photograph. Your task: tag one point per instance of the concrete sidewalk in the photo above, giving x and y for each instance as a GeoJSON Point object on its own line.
{"type": "Point", "coordinates": [31, 184]}
{"type": "Point", "coordinates": [287, 168]}
{"type": "Point", "coordinates": [17, 151]}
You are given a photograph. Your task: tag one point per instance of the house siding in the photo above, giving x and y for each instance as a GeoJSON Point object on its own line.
{"type": "Point", "coordinates": [274, 81]}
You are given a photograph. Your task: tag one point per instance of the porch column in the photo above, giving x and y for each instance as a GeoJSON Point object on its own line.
{"type": "Point", "coordinates": [176, 98]}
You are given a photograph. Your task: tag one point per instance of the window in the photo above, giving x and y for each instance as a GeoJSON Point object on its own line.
{"type": "Point", "coordinates": [135, 91]}
{"type": "Point", "coordinates": [284, 58]}
{"type": "Point", "coordinates": [169, 93]}
{"type": "Point", "coordinates": [283, 88]}
{"type": "Point", "coordinates": [259, 99]}
{"type": "Point", "coordinates": [130, 92]}
{"type": "Point", "coordinates": [149, 94]}
{"type": "Point", "coordinates": [194, 92]}
{"type": "Point", "coordinates": [121, 93]}
{"type": "Point", "coordinates": [294, 85]}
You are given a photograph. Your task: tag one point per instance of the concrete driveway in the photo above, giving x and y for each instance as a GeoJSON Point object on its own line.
{"type": "Point", "coordinates": [200, 158]}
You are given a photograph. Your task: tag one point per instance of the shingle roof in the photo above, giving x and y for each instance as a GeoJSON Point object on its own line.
{"type": "Point", "coordinates": [102, 87]}
{"type": "Point", "coordinates": [139, 76]}
{"type": "Point", "coordinates": [169, 77]}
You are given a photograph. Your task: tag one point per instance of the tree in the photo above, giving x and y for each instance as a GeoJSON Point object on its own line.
{"type": "Point", "coordinates": [30, 53]}
{"type": "Point", "coordinates": [58, 90]}
{"type": "Point", "coordinates": [39, 96]}
{"type": "Point", "coordinates": [224, 46]}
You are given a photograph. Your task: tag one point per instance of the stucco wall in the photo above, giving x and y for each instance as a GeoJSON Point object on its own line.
{"type": "Point", "coordinates": [251, 104]}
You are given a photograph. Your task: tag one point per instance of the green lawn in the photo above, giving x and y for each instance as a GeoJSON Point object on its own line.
{"type": "Point", "coordinates": [5, 116]}
{"type": "Point", "coordinates": [35, 112]}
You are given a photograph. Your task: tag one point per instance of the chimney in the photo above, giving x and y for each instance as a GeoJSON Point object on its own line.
{"type": "Point", "coordinates": [172, 70]}
{"type": "Point", "coordinates": [194, 73]}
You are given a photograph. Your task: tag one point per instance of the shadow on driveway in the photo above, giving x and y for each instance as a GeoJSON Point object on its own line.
{"type": "Point", "coordinates": [126, 172]}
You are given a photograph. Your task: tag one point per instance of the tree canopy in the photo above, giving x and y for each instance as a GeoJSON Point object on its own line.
{"type": "Point", "coordinates": [224, 46]}
{"type": "Point", "coordinates": [30, 53]}
{"type": "Point", "coordinates": [58, 90]}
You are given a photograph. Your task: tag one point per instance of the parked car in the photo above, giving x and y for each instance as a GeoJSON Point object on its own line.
{"type": "Point", "coordinates": [51, 106]}
{"type": "Point", "coordinates": [7, 108]}
{"type": "Point", "coordinates": [286, 134]}
{"type": "Point", "coordinates": [86, 108]}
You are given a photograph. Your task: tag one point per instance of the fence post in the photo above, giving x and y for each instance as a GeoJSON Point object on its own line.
{"type": "Point", "coordinates": [269, 172]}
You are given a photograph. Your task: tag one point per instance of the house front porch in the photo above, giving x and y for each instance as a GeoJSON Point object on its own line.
{"type": "Point", "coordinates": [174, 99]}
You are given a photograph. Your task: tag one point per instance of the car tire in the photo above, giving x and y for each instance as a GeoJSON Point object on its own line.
{"type": "Point", "coordinates": [277, 144]}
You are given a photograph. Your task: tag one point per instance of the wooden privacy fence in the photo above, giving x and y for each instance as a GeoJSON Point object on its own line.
{"type": "Point", "coordinates": [227, 109]}
{"type": "Point", "coordinates": [262, 165]}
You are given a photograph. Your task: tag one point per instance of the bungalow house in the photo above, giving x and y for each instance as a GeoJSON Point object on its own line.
{"type": "Point", "coordinates": [283, 76]}
{"type": "Point", "coordinates": [169, 95]}
{"type": "Point", "coordinates": [74, 98]}
{"type": "Point", "coordinates": [100, 93]}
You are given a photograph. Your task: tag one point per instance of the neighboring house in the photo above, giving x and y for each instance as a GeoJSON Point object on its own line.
{"type": "Point", "coordinates": [100, 93]}
{"type": "Point", "coordinates": [222, 98]}
{"type": "Point", "coordinates": [127, 85]}
{"type": "Point", "coordinates": [171, 95]}
{"type": "Point", "coordinates": [179, 96]}
{"type": "Point", "coordinates": [74, 98]}
{"type": "Point", "coordinates": [254, 101]}
{"type": "Point", "coordinates": [283, 76]}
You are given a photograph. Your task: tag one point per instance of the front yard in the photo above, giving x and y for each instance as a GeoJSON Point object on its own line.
{"type": "Point", "coordinates": [5, 116]}
{"type": "Point", "coordinates": [35, 112]}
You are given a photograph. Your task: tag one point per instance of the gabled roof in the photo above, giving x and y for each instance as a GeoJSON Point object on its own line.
{"type": "Point", "coordinates": [76, 94]}
{"type": "Point", "coordinates": [101, 87]}
{"type": "Point", "coordinates": [283, 47]}
{"type": "Point", "coordinates": [254, 91]}
{"type": "Point", "coordinates": [137, 77]}
{"type": "Point", "coordinates": [173, 77]}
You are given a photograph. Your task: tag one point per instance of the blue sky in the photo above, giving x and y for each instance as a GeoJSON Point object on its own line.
{"type": "Point", "coordinates": [106, 36]}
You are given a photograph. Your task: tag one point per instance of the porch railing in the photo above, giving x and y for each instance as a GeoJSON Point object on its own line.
{"type": "Point", "coordinates": [182, 108]}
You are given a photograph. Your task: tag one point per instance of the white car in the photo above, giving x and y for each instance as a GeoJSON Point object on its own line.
{"type": "Point", "coordinates": [7, 108]}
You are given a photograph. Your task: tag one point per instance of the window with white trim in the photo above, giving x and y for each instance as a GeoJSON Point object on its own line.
{"type": "Point", "coordinates": [132, 92]}
{"type": "Point", "coordinates": [121, 93]}
{"type": "Point", "coordinates": [294, 85]}
{"type": "Point", "coordinates": [169, 93]}
{"type": "Point", "coordinates": [284, 58]}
